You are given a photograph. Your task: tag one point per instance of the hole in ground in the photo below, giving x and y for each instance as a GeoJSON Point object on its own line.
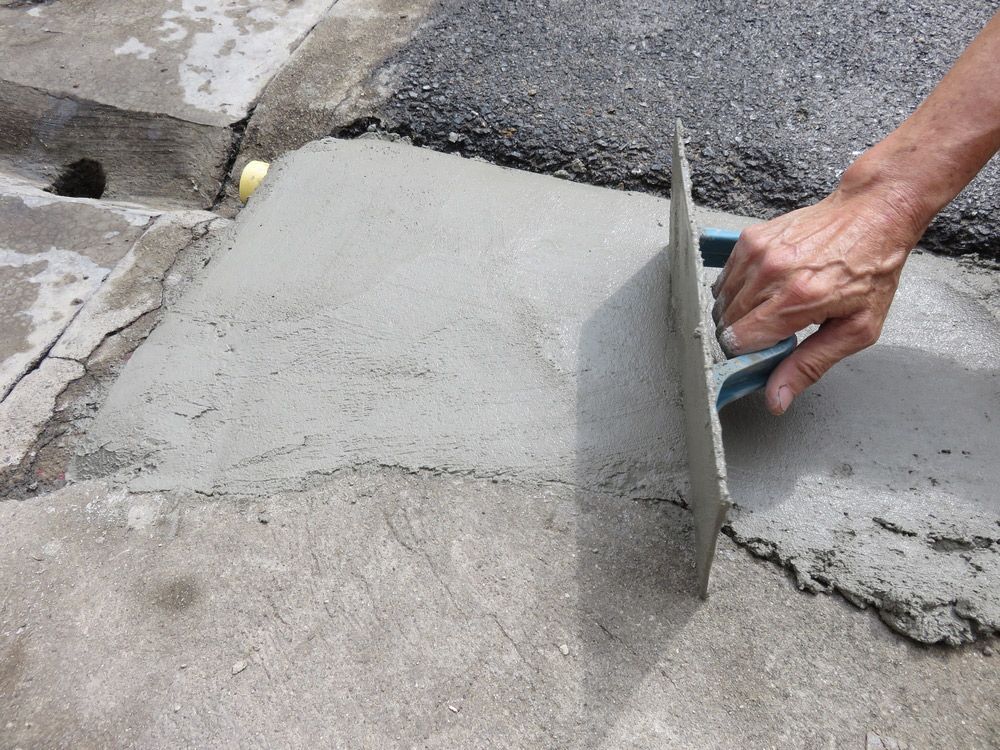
{"type": "Point", "coordinates": [84, 178]}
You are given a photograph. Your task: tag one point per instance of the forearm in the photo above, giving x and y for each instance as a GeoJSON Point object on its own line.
{"type": "Point", "coordinates": [922, 165]}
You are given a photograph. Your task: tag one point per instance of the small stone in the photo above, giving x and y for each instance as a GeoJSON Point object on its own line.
{"type": "Point", "coordinates": [263, 517]}
{"type": "Point", "coordinates": [33, 486]}
{"type": "Point", "coordinates": [239, 666]}
{"type": "Point", "coordinates": [453, 709]}
{"type": "Point", "coordinates": [564, 649]}
{"type": "Point", "coordinates": [562, 174]}
{"type": "Point", "coordinates": [577, 166]}
{"type": "Point", "coordinates": [532, 92]}
{"type": "Point", "coordinates": [177, 707]}
{"type": "Point", "coordinates": [184, 666]}
{"type": "Point", "coordinates": [454, 137]}
{"type": "Point", "coordinates": [987, 651]}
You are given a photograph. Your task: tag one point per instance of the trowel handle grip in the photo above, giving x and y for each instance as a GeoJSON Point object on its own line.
{"type": "Point", "coordinates": [717, 245]}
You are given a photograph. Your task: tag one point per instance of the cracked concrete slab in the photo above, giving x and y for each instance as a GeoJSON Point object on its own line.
{"type": "Point", "coordinates": [54, 254]}
{"type": "Point", "coordinates": [452, 315]}
{"type": "Point", "coordinates": [72, 272]}
{"type": "Point", "coordinates": [28, 407]}
{"type": "Point", "coordinates": [392, 609]}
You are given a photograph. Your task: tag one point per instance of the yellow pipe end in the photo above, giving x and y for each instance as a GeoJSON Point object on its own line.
{"type": "Point", "coordinates": [251, 177]}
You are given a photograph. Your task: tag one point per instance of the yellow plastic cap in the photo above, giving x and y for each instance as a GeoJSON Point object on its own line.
{"type": "Point", "coordinates": [250, 178]}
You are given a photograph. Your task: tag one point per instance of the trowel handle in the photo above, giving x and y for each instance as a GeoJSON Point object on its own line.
{"type": "Point", "coordinates": [746, 373]}
{"type": "Point", "coordinates": [717, 245]}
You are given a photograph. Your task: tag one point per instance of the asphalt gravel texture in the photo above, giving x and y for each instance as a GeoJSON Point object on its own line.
{"type": "Point", "coordinates": [778, 98]}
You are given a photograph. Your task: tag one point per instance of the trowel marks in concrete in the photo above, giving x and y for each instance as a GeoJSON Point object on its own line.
{"type": "Point", "coordinates": [384, 304]}
{"type": "Point", "coordinates": [381, 304]}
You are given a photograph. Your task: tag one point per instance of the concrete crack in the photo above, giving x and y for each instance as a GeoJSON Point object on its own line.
{"type": "Point", "coordinates": [513, 643]}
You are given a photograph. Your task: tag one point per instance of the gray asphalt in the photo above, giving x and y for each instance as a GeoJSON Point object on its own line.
{"type": "Point", "coordinates": [778, 97]}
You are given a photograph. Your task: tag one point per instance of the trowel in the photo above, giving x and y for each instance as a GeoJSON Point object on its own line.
{"type": "Point", "coordinates": [709, 380]}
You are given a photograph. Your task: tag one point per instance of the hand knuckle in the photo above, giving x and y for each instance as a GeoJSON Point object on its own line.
{"type": "Point", "coordinates": [864, 331]}
{"type": "Point", "coordinates": [772, 265]}
{"type": "Point", "coordinates": [803, 289]}
{"type": "Point", "coordinates": [752, 240]}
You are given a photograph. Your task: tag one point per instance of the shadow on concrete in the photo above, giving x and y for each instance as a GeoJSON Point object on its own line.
{"type": "Point", "coordinates": [891, 419]}
{"type": "Point", "coordinates": [634, 556]}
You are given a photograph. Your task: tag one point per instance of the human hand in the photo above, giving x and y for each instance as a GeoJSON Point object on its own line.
{"type": "Point", "coordinates": [835, 264]}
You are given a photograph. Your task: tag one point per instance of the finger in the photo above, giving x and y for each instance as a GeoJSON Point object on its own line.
{"type": "Point", "coordinates": [835, 339]}
{"type": "Point", "coordinates": [750, 295]}
{"type": "Point", "coordinates": [720, 279]}
{"type": "Point", "coordinates": [732, 273]}
{"type": "Point", "coordinates": [764, 326]}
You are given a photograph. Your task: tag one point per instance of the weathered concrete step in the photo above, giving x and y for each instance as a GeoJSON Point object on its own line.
{"type": "Point", "coordinates": [143, 156]}
{"type": "Point", "coordinates": [154, 91]}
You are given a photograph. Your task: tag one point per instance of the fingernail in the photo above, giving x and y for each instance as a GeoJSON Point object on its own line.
{"type": "Point", "coordinates": [727, 339]}
{"type": "Point", "coordinates": [784, 399]}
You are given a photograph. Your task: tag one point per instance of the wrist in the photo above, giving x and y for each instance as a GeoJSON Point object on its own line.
{"type": "Point", "coordinates": [892, 189]}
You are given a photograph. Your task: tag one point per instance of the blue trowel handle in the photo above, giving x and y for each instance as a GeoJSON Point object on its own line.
{"type": "Point", "coordinates": [716, 245]}
{"type": "Point", "coordinates": [737, 377]}
{"type": "Point", "coordinates": [746, 373]}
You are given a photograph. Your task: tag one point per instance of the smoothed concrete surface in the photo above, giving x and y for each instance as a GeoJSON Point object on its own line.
{"type": "Point", "coordinates": [382, 609]}
{"type": "Point", "coordinates": [378, 304]}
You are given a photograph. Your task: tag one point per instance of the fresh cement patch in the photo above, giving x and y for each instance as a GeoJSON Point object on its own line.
{"type": "Point", "coordinates": [383, 305]}
{"type": "Point", "coordinates": [881, 481]}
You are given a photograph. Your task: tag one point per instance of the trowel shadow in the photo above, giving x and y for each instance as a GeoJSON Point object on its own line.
{"type": "Point", "coordinates": [635, 574]}
{"type": "Point", "coordinates": [890, 419]}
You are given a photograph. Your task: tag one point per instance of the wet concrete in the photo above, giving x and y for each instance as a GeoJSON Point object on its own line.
{"type": "Point", "coordinates": [382, 305]}
{"type": "Point", "coordinates": [882, 482]}
{"type": "Point", "coordinates": [496, 300]}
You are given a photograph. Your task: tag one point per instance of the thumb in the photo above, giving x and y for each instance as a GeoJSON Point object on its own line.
{"type": "Point", "coordinates": [836, 338]}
